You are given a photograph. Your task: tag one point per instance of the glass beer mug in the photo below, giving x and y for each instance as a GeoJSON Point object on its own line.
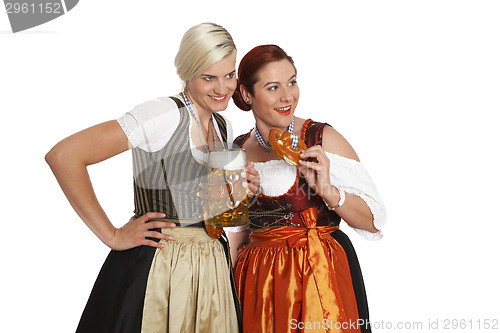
{"type": "Point", "coordinates": [227, 203]}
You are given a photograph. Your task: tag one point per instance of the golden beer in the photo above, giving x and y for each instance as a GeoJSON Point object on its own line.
{"type": "Point", "coordinates": [227, 203]}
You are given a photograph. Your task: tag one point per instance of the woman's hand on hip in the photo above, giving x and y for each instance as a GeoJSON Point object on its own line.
{"type": "Point", "coordinates": [134, 233]}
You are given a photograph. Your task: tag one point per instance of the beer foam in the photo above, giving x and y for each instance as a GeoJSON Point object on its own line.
{"type": "Point", "coordinates": [227, 159]}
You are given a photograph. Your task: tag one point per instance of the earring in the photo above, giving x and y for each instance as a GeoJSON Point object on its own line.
{"type": "Point", "coordinates": [249, 102]}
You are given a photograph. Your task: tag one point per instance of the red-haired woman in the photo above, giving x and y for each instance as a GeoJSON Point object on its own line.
{"type": "Point", "coordinates": [299, 271]}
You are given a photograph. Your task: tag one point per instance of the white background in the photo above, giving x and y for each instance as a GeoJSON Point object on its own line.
{"type": "Point", "coordinates": [413, 85]}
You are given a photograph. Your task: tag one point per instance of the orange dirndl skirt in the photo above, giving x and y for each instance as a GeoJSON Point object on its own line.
{"type": "Point", "coordinates": [293, 279]}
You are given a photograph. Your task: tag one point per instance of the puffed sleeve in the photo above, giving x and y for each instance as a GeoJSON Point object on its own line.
{"type": "Point", "coordinates": [150, 125]}
{"type": "Point", "coordinates": [351, 176]}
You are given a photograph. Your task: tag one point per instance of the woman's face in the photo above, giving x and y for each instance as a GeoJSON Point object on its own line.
{"type": "Point", "coordinates": [276, 94]}
{"type": "Point", "coordinates": [212, 91]}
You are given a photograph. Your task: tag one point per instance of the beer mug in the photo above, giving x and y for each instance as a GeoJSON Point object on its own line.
{"type": "Point", "coordinates": [227, 203]}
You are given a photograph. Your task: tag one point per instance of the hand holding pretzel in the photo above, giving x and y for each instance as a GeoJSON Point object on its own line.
{"type": "Point", "coordinates": [315, 167]}
{"type": "Point", "coordinates": [282, 145]}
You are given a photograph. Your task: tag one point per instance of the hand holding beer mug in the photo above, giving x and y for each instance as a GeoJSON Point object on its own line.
{"type": "Point", "coordinates": [227, 201]}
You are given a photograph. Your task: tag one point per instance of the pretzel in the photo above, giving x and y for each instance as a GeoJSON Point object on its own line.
{"type": "Point", "coordinates": [282, 145]}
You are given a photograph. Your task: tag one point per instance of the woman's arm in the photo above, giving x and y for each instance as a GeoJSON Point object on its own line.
{"type": "Point", "coordinates": [69, 160]}
{"type": "Point", "coordinates": [354, 210]}
{"type": "Point", "coordinates": [237, 240]}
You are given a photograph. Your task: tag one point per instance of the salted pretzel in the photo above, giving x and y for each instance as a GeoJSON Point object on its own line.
{"type": "Point", "coordinates": [282, 145]}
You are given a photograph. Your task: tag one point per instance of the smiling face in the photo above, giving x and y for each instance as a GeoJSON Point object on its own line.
{"type": "Point", "coordinates": [276, 95]}
{"type": "Point", "coordinates": [211, 91]}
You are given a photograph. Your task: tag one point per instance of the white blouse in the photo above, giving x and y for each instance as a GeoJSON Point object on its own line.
{"type": "Point", "coordinates": [150, 125]}
{"type": "Point", "coordinates": [277, 177]}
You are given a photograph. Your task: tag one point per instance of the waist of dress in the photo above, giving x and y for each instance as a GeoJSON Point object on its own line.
{"type": "Point", "coordinates": [276, 219]}
{"type": "Point", "coordinates": [289, 236]}
{"type": "Point", "coordinates": [191, 223]}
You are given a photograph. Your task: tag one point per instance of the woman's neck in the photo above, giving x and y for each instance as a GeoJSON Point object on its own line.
{"type": "Point", "coordinates": [204, 118]}
{"type": "Point", "coordinates": [265, 128]}
{"type": "Point", "coordinates": [201, 113]}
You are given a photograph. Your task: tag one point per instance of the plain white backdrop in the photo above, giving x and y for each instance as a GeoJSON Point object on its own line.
{"type": "Point", "coordinates": [414, 86]}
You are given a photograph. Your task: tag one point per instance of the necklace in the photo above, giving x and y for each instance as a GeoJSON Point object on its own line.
{"type": "Point", "coordinates": [267, 145]}
{"type": "Point", "coordinates": [193, 113]}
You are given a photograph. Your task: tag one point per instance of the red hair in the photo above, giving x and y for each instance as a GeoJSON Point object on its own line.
{"type": "Point", "coordinates": [250, 65]}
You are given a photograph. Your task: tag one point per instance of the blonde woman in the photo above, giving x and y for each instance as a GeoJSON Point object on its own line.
{"type": "Point", "coordinates": [164, 273]}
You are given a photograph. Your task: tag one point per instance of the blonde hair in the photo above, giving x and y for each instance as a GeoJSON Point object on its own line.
{"type": "Point", "coordinates": [201, 47]}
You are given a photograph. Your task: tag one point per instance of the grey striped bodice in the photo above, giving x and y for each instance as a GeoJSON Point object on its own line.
{"type": "Point", "coordinates": [168, 180]}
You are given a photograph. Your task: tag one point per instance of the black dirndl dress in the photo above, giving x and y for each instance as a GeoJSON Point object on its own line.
{"type": "Point", "coordinates": [187, 286]}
